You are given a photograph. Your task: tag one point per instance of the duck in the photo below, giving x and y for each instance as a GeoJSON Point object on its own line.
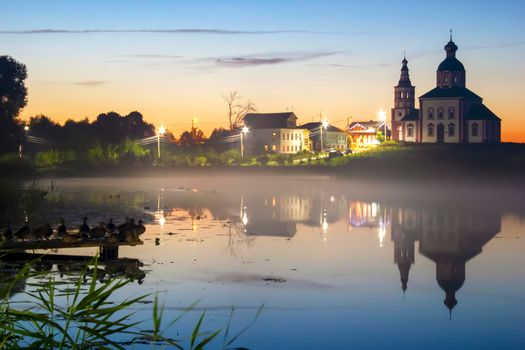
{"type": "Point", "coordinates": [62, 229]}
{"type": "Point", "coordinates": [140, 228]}
{"type": "Point", "coordinates": [24, 232]}
{"type": "Point", "coordinates": [99, 231]}
{"type": "Point", "coordinates": [7, 235]}
{"type": "Point", "coordinates": [43, 232]}
{"type": "Point", "coordinates": [111, 227]}
{"type": "Point", "coordinates": [84, 230]}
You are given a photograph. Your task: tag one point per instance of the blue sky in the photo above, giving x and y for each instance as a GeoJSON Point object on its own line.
{"type": "Point", "coordinates": [338, 57]}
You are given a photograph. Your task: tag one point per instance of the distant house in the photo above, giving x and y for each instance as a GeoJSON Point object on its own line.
{"type": "Point", "coordinates": [364, 134]}
{"type": "Point", "coordinates": [274, 133]}
{"type": "Point", "coordinates": [333, 138]}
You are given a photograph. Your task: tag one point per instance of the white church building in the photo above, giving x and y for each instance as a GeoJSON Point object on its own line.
{"type": "Point", "coordinates": [449, 113]}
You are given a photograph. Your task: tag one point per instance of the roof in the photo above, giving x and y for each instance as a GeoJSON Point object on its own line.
{"type": "Point", "coordinates": [451, 64]}
{"type": "Point", "coordinates": [316, 125]}
{"type": "Point", "coordinates": [480, 112]}
{"type": "Point", "coordinates": [269, 120]}
{"type": "Point", "coordinates": [413, 115]}
{"type": "Point", "coordinates": [371, 126]}
{"type": "Point", "coordinates": [455, 91]}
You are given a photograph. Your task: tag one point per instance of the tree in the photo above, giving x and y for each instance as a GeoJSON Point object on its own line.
{"type": "Point", "coordinates": [236, 109]}
{"type": "Point", "coordinates": [192, 138]}
{"type": "Point", "coordinates": [13, 98]}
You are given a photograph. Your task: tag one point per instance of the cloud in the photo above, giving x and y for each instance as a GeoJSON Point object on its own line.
{"type": "Point", "coordinates": [211, 31]}
{"type": "Point", "coordinates": [91, 83]}
{"type": "Point", "coordinates": [153, 56]}
{"type": "Point", "coordinates": [352, 66]}
{"type": "Point", "coordinates": [268, 59]}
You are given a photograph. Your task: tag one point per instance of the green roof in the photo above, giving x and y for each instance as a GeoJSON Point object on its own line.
{"type": "Point", "coordinates": [480, 112]}
{"type": "Point", "coordinates": [456, 91]}
{"type": "Point", "coordinates": [451, 64]}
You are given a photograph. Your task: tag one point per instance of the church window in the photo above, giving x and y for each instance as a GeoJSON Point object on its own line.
{"type": "Point", "coordinates": [441, 113]}
{"type": "Point", "coordinates": [431, 113]}
{"type": "Point", "coordinates": [410, 130]}
{"type": "Point", "coordinates": [451, 129]}
{"type": "Point", "coordinates": [475, 129]}
{"type": "Point", "coordinates": [430, 130]}
{"type": "Point", "coordinates": [451, 113]}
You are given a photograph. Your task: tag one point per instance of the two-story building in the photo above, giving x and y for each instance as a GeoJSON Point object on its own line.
{"type": "Point", "coordinates": [274, 133]}
{"type": "Point", "coordinates": [332, 138]}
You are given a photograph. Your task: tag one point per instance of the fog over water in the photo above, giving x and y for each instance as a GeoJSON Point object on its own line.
{"type": "Point", "coordinates": [337, 263]}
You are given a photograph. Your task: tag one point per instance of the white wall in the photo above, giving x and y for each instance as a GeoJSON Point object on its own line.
{"type": "Point", "coordinates": [446, 104]}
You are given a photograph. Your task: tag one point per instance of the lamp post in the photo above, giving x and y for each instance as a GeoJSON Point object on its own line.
{"type": "Point", "coordinates": [20, 145]}
{"type": "Point", "coordinates": [324, 125]}
{"type": "Point", "coordinates": [382, 116]}
{"type": "Point", "coordinates": [244, 130]}
{"type": "Point", "coordinates": [162, 131]}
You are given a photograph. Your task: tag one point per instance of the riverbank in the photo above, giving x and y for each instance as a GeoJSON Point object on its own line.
{"type": "Point", "coordinates": [395, 161]}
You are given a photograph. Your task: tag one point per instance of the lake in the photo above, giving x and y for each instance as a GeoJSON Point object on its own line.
{"type": "Point", "coordinates": [336, 263]}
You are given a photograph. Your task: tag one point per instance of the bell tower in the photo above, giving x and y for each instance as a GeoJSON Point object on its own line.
{"type": "Point", "coordinates": [404, 100]}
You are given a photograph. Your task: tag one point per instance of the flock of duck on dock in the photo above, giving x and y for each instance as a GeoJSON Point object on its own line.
{"type": "Point", "coordinates": [129, 231]}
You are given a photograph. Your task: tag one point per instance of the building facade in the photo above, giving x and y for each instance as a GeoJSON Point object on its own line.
{"type": "Point", "coordinates": [364, 134]}
{"type": "Point", "coordinates": [332, 138]}
{"type": "Point", "coordinates": [274, 133]}
{"type": "Point", "coordinates": [449, 113]}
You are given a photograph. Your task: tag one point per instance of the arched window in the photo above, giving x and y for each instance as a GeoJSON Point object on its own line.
{"type": "Point", "coordinates": [451, 113]}
{"type": "Point", "coordinates": [475, 129]}
{"type": "Point", "coordinates": [451, 129]}
{"type": "Point", "coordinates": [431, 113]}
{"type": "Point", "coordinates": [441, 113]}
{"type": "Point", "coordinates": [410, 130]}
{"type": "Point", "coordinates": [430, 130]}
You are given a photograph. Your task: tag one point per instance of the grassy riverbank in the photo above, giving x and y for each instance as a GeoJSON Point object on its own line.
{"type": "Point", "coordinates": [388, 161]}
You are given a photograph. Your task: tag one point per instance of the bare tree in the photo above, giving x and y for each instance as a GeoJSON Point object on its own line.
{"type": "Point", "coordinates": [236, 109]}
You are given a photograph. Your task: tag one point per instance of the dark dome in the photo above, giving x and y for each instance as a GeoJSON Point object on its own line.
{"type": "Point", "coordinates": [451, 64]}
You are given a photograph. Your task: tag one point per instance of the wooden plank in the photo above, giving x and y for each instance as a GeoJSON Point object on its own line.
{"type": "Point", "coordinates": [59, 244]}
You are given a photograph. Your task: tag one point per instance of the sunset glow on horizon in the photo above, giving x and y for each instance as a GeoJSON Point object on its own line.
{"type": "Point", "coordinates": [173, 61]}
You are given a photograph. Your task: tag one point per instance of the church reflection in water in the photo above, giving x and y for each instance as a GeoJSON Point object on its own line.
{"type": "Point", "coordinates": [448, 237]}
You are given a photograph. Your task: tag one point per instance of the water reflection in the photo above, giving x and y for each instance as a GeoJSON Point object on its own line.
{"type": "Point", "coordinates": [447, 237]}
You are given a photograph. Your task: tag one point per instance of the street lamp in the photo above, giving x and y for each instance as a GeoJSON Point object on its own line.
{"type": "Point", "coordinates": [244, 130]}
{"type": "Point", "coordinates": [382, 116]}
{"type": "Point", "coordinates": [162, 131]}
{"type": "Point", "coordinates": [324, 125]}
{"type": "Point", "coordinates": [20, 145]}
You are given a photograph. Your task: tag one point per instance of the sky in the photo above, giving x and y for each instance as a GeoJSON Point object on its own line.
{"type": "Point", "coordinates": [174, 60]}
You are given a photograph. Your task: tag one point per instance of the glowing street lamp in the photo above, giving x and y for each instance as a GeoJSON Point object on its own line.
{"type": "Point", "coordinates": [382, 116]}
{"type": "Point", "coordinates": [244, 130]}
{"type": "Point", "coordinates": [324, 125]}
{"type": "Point", "coordinates": [162, 131]}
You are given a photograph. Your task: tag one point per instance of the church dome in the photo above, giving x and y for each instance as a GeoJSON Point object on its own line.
{"type": "Point", "coordinates": [451, 64]}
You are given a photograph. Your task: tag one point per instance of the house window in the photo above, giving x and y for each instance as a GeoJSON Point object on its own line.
{"type": "Point", "coordinates": [274, 148]}
{"type": "Point", "coordinates": [266, 148]}
{"type": "Point", "coordinates": [475, 129]}
{"type": "Point", "coordinates": [430, 130]}
{"type": "Point", "coordinates": [431, 113]}
{"type": "Point", "coordinates": [451, 129]}
{"type": "Point", "coordinates": [410, 130]}
{"type": "Point", "coordinates": [441, 113]}
{"type": "Point", "coordinates": [451, 113]}
{"type": "Point", "coordinates": [274, 135]}
{"type": "Point", "coordinates": [284, 136]}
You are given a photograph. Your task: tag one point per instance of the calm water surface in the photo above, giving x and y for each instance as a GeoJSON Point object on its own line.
{"type": "Point", "coordinates": [337, 264]}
